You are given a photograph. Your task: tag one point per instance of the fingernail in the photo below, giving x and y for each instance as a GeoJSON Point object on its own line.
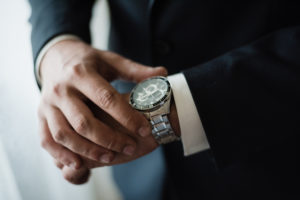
{"type": "Point", "coordinates": [128, 150]}
{"type": "Point", "coordinates": [105, 158]}
{"type": "Point", "coordinates": [144, 131]}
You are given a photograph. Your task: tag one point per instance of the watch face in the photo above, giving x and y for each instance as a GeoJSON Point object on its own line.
{"type": "Point", "coordinates": [150, 93]}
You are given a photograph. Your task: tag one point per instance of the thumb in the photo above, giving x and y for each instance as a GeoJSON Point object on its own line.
{"type": "Point", "coordinates": [129, 70]}
{"type": "Point", "coordinates": [78, 176]}
{"type": "Point", "coordinates": [137, 72]}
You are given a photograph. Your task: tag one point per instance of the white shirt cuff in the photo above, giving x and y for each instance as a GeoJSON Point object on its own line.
{"type": "Point", "coordinates": [46, 48]}
{"type": "Point", "coordinates": [193, 135]}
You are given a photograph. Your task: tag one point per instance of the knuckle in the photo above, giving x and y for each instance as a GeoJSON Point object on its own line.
{"type": "Point", "coordinates": [131, 123]}
{"type": "Point", "coordinates": [112, 144]}
{"type": "Point", "coordinates": [74, 147]}
{"type": "Point", "coordinates": [59, 136]}
{"type": "Point", "coordinates": [94, 154]}
{"type": "Point", "coordinates": [64, 158]}
{"type": "Point", "coordinates": [57, 89]}
{"type": "Point", "coordinates": [85, 152]}
{"type": "Point", "coordinates": [60, 156]}
{"type": "Point", "coordinates": [76, 71]}
{"type": "Point", "coordinates": [58, 164]}
{"type": "Point", "coordinates": [127, 62]}
{"type": "Point", "coordinates": [115, 144]}
{"type": "Point", "coordinates": [81, 124]}
{"type": "Point", "coordinates": [105, 98]}
{"type": "Point", "coordinates": [79, 70]}
{"type": "Point", "coordinates": [44, 143]}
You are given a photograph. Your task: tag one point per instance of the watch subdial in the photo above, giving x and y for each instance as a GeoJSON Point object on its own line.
{"type": "Point", "coordinates": [151, 88]}
{"type": "Point", "coordinates": [158, 95]}
{"type": "Point", "coordinates": [162, 87]}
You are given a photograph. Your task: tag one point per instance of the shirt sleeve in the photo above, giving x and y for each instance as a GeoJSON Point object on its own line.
{"type": "Point", "coordinates": [46, 48]}
{"type": "Point", "coordinates": [193, 135]}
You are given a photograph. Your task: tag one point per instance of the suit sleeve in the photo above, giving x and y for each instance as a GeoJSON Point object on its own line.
{"type": "Point", "coordinates": [50, 18]}
{"type": "Point", "coordinates": [248, 99]}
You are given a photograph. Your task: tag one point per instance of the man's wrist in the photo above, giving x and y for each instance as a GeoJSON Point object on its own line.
{"type": "Point", "coordinates": [44, 51]}
{"type": "Point", "coordinates": [57, 54]}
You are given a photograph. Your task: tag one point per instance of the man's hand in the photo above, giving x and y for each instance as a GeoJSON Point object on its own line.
{"type": "Point", "coordinates": [144, 146]}
{"type": "Point", "coordinates": [74, 74]}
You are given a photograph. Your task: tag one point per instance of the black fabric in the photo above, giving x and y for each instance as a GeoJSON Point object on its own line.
{"type": "Point", "coordinates": [242, 63]}
{"type": "Point", "coordinates": [52, 18]}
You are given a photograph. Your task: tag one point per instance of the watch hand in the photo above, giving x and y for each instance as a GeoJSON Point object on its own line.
{"type": "Point", "coordinates": [145, 91]}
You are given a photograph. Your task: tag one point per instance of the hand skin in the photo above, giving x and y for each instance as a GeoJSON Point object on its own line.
{"type": "Point", "coordinates": [74, 74]}
{"type": "Point", "coordinates": [145, 145]}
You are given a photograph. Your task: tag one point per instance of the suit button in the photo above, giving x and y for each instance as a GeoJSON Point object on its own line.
{"type": "Point", "coordinates": [162, 47]}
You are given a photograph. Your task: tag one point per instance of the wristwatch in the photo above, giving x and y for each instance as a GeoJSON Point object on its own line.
{"type": "Point", "coordinates": [152, 97]}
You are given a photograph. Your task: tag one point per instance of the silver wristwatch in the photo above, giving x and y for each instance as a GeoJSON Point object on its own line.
{"type": "Point", "coordinates": [152, 97]}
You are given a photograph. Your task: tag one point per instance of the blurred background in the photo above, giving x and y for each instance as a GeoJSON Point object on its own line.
{"type": "Point", "coordinates": [27, 172]}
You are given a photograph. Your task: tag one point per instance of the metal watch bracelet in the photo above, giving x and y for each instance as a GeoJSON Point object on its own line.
{"type": "Point", "coordinates": [162, 130]}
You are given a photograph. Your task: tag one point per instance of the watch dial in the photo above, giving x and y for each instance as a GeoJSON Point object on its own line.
{"type": "Point", "coordinates": [150, 92]}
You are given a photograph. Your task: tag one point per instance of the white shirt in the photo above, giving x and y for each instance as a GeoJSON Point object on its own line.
{"type": "Point", "coordinates": [193, 136]}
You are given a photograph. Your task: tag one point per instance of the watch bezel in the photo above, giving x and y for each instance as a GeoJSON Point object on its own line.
{"type": "Point", "coordinates": [156, 105]}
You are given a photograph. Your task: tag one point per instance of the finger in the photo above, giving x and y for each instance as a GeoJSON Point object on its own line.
{"type": "Point", "coordinates": [108, 99]}
{"type": "Point", "coordinates": [84, 123]}
{"type": "Point", "coordinates": [130, 70]}
{"type": "Point", "coordinates": [58, 152]}
{"type": "Point", "coordinates": [64, 135]}
{"type": "Point", "coordinates": [144, 146]}
{"type": "Point", "coordinates": [58, 164]}
{"type": "Point", "coordinates": [77, 177]}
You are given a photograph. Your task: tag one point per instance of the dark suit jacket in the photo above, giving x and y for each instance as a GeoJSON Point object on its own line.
{"type": "Point", "coordinates": [242, 63]}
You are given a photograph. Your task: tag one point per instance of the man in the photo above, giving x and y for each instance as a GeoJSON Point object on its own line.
{"type": "Point", "coordinates": [237, 62]}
